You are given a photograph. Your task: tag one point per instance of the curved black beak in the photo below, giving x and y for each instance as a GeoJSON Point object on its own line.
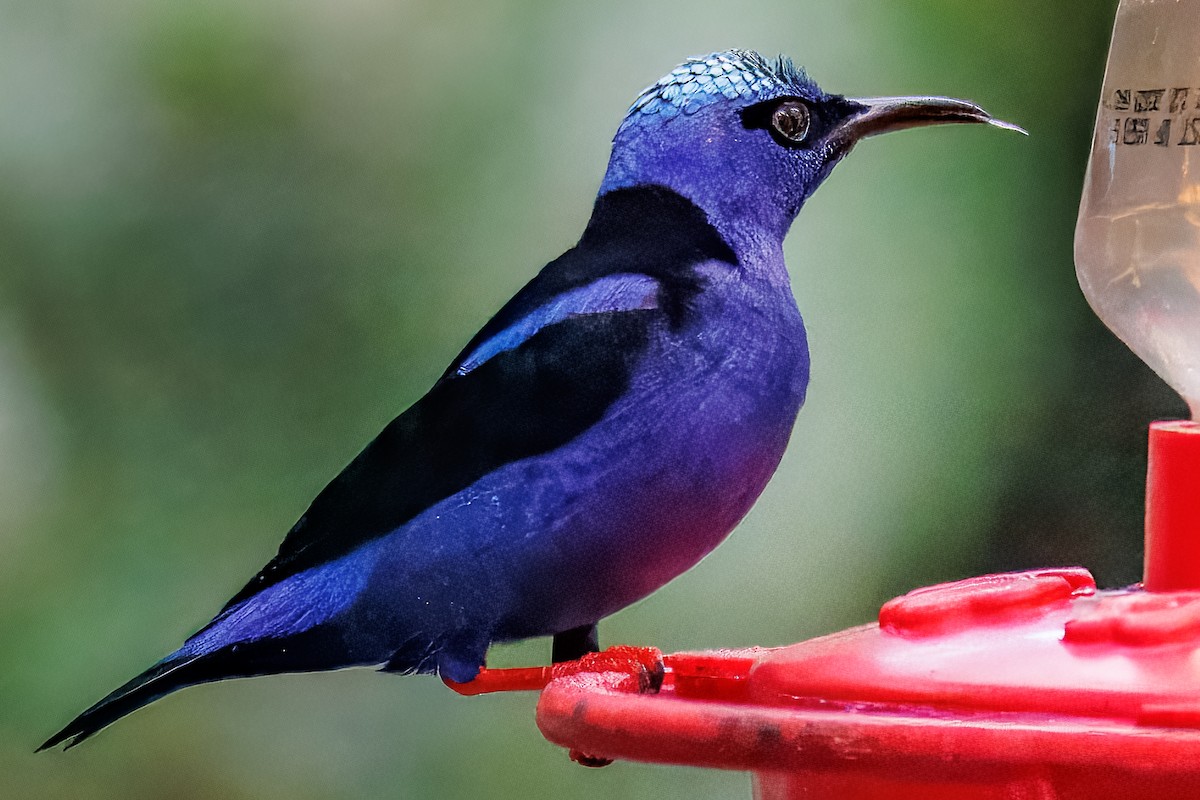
{"type": "Point", "coordinates": [874, 115]}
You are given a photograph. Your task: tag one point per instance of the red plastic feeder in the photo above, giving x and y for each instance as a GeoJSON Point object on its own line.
{"type": "Point", "coordinates": [1022, 685]}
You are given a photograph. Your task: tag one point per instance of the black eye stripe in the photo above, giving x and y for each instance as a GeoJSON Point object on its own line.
{"type": "Point", "coordinates": [791, 121]}
{"type": "Point", "coordinates": [824, 114]}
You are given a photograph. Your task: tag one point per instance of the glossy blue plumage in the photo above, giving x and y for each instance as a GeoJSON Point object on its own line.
{"type": "Point", "coordinates": [598, 437]}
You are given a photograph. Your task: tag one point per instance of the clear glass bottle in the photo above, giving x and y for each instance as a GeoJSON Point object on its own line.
{"type": "Point", "coordinates": [1137, 242]}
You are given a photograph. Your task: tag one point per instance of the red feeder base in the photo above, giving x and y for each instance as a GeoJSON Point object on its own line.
{"type": "Point", "coordinates": [1029, 685]}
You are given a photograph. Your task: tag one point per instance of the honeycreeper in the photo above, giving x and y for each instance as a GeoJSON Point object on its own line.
{"type": "Point", "coordinates": [599, 436]}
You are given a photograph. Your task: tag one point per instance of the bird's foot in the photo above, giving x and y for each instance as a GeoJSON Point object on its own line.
{"type": "Point", "coordinates": [642, 666]}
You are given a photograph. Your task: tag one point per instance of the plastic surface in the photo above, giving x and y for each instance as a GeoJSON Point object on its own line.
{"type": "Point", "coordinates": [1137, 242]}
{"type": "Point", "coordinates": [1173, 507]}
{"type": "Point", "coordinates": [1027, 684]}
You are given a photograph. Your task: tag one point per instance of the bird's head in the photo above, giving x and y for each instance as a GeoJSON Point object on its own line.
{"type": "Point", "coordinates": [748, 140]}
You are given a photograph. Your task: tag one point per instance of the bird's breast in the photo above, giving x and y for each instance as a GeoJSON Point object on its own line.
{"type": "Point", "coordinates": [674, 464]}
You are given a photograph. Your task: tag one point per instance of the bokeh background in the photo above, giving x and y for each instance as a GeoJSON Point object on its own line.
{"type": "Point", "coordinates": [237, 238]}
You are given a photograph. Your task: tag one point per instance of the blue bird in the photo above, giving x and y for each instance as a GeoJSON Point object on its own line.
{"type": "Point", "coordinates": [598, 437]}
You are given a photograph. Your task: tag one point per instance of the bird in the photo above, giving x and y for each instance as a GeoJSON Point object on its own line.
{"type": "Point", "coordinates": [599, 436]}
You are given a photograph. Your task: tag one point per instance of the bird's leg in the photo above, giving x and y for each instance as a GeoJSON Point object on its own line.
{"type": "Point", "coordinates": [575, 651]}
{"type": "Point", "coordinates": [569, 645]}
{"type": "Point", "coordinates": [462, 657]}
{"type": "Point", "coordinates": [576, 643]}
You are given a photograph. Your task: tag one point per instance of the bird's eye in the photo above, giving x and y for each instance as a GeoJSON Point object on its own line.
{"type": "Point", "coordinates": [790, 120]}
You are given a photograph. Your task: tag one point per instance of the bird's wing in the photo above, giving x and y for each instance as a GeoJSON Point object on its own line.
{"type": "Point", "coordinates": [612, 293]}
{"type": "Point", "coordinates": [540, 373]}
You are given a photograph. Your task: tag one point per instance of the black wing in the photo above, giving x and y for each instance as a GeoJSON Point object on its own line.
{"type": "Point", "coordinates": [523, 400]}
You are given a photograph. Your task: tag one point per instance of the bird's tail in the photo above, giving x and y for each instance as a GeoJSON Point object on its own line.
{"type": "Point", "coordinates": [215, 654]}
{"type": "Point", "coordinates": [176, 671]}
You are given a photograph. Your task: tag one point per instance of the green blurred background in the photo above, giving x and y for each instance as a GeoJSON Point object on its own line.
{"type": "Point", "coordinates": [237, 238]}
